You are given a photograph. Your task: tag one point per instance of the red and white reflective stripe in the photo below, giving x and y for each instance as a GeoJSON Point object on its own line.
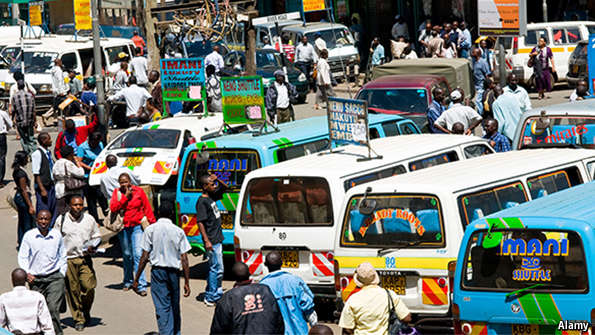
{"type": "Point", "coordinates": [254, 260]}
{"type": "Point", "coordinates": [322, 264]}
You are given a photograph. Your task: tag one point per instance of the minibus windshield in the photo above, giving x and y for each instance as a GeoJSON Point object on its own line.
{"type": "Point", "coordinates": [147, 138]}
{"type": "Point", "coordinates": [287, 201]}
{"type": "Point", "coordinates": [394, 221]}
{"type": "Point", "coordinates": [579, 130]}
{"type": "Point", "coordinates": [546, 261]}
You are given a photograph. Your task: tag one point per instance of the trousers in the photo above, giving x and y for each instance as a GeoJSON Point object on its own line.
{"type": "Point", "coordinates": [27, 138]}
{"type": "Point", "coordinates": [52, 287]}
{"type": "Point", "coordinates": [48, 202]}
{"type": "Point", "coordinates": [80, 287]}
{"type": "Point", "coordinates": [165, 291]}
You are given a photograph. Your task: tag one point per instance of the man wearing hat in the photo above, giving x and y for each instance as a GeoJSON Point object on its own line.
{"type": "Point", "coordinates": [367, 311]}
{"type": "Point", "coordinates": [278, 99]}
{"type": "Point", "coordinates": [458, 113]}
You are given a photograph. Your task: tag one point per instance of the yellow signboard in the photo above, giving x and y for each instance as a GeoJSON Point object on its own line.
{"type": "Point", "coordinates": [313, 5]}
{"type": "Point", "coordinates": [35, 15]}
{"type": "Point", "coordinates": [82, 15]}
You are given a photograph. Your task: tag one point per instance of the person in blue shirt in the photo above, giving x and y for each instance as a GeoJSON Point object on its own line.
{"type": "Point", "coordinates": [507, 111]}
{"type": "Point", "coordinates": [88, 152]}
{"type": "Point", "coordinates": [481, 70]}
{"type": "Point", "coordinates": [435, 109]}
{"type": "Point", "coordinates": [498, 141]}
{"type": "Point", "coordinates": [88, 97]}
{"type": "Point", "coordinates": [294, 297]}
{"type": "Point", "coordinates": [464, 40]}
{"type": "Point", "coordinates": [377, 52]}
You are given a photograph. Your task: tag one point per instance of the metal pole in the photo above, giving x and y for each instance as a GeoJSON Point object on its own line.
{"type": "Point", "coordinates": [101, 116]}
{"type": "Point", "coordinates": [544, 10]}
{"type": "Point", "coordinates": [502, 62]}
{"type": "Point", "coordinates": [22, 53]}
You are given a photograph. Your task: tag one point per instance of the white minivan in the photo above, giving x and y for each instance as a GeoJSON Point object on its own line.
{"type": "Point", "coordinates": [561, 37]}
{"type": "Point", "coordinates": [410, 227]}
{"type": "Point", "coordinates": [293, 206]}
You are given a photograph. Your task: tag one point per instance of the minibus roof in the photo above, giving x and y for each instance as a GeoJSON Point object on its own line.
{"type": "Point", "coordinates": [583, 107]}
{"type": "Point", "coordinates": [557, 24]}
{"type": "Point", "coordinates": [343, 162]}
{"type": "Point", "coordinates": [574, 203]}
{"type": "Point", "coordinates": [471, 173]}
{"type": "Point", "coordinates": [63, 43]}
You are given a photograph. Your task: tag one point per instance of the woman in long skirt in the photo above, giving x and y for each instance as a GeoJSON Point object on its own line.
{"type": "Point", "coordinates": [543, 67]}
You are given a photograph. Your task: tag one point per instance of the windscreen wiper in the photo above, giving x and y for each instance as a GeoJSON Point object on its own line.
{"type": "Point", "coordinates": [398, 244]}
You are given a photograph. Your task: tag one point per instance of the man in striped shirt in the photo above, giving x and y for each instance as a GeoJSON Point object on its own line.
{"type": "Point", "coordinates": [24, 310]}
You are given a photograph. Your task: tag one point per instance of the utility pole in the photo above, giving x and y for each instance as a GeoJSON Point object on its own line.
{"type": "Point", "coordinates": [544, 6]}
{"type": "Point", "coordinates": [150, 34]}
{"type": "Point", "coordinates": [251, 43]}
{"type": "Point", "coordinates": [99, 80]}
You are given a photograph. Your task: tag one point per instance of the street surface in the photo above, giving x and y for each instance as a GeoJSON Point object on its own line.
{"type": "Point", "coordinates": [118, 312]}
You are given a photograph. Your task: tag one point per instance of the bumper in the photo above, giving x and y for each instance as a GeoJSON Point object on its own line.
{"type": "Point", "coordinates": [323, 290]}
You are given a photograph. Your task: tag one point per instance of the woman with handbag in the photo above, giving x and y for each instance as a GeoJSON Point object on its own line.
{"type": "Point", "coordinates": [542, 61]}
{"type": "Point", "coordinates": [69, 177]}
{"type": "Point", "coordinates": [134, 208]}
{"type": "Point", "coordinates": [22, 197]}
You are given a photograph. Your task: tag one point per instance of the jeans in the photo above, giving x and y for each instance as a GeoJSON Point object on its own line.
{"type": "Point", "coordinates": [27, 138]}
{"type": "Point", "coordinates": [48, 202]}
{"type": "Point", "coordinates": [130, 239]}
{"type": "Point", "coordinates": [2, 157]}
{"type": "Point", "coordinates": [165, 291]}
{"type": "Point", "coordinates": [26, 220]}
{"type": "Point", "coordinates": [214, 291]}
{"type": "Point", "coordinates": [478, 99]}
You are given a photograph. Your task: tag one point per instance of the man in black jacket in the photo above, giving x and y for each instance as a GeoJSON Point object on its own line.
{"type": "Point", "coordinates": [247, 308]}
{"type": "Point", "coordinates": [279, 99]}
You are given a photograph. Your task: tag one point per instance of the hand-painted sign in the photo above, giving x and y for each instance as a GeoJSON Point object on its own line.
{"type": "Point", "coordinates": [348, 121]}
{"type": "Point", "coordinates": [402, 214]}
{"type": "Point", "coordinates": [501, 17]}
{"type": "Point", "coordinates": [531, 271]}
{"type": "Point", "coordinates": [519, 247]}
{"type": "Point", "coordinates": [313, 5]}
{"type": "Point", "coordinates": [82, 15]}
{"type": "Point", "coordinates": [243, 100]}
{"type": "Point", "coordinates": [35, 9]}
{"type": "Point", "coordinates": [182, 79]}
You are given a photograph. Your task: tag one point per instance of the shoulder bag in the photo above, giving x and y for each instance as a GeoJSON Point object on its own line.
{"type": "Point", "coordinates": [72, 183]}
{"type": "Point", "coordinates": [394, 324]}
{"type": "Point", "coordinates": [113, 221]}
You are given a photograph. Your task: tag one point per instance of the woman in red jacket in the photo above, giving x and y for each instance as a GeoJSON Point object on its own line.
{"type": "Point", "coordinates": [133, 205]}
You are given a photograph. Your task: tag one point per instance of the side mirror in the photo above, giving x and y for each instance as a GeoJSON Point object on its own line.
{"type": "Point", "coordinates": [367, 206]}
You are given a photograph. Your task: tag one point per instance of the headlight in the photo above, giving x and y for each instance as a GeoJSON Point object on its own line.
{"type": "Point", "coordinates": [302, 77]}
{"type": "Point", "coordinates": [45, 88]}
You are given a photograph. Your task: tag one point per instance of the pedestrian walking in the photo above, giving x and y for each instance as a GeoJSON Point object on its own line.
{"type": "Point", "coordinates": [377, 51]}
{"type": "Point", "coordinates": [481, 71]}
{"type": "Point", "coordinates": [135, 97]}
{"type": "Point", "coordinates": [487, 53]}
{"type": "Point", "coordinates": [319, 42]}
{"type": "Point", "coordinates": [5, 126]}
{"type": "Point", "coordinates": [213, 87]}
{"type": "Point", "coordinates": [165, 245]}
{"type": "Point", "coordinates": [155, 104]}
{"type": "Point", "coordinates": [542, 61]}
{"type": "Point", "coordinates": [138, 66]}
{"type": "Point", "coordinates": [449, 48]}
{"type": "Point", "coordinates": [135, 205]}
{"type": "Point", "coordinates": [367, 311]}
{"type": "Point", "coordinates": [209, 224]}
{"type": "Point", "coordinates": [23, 310]}
{"type": "Point", "coordinates": [22, 196]}
{"type": "Point", "coordinates": [247, 308]}
{"type": "Point", "coordinates": [400, 28]}
{"type": "Point", "coordinates": [280, 98]}
{"type": "Point", "coordinates": [73, 136]}
{"type": "Point", "coordinates": [75, 85]}
{"type": "Point", "coordinates": [23, 113]}
{"type": "Point", "coordinates": [507, 111]}
{"type": "Point", "coordinates": [288, 48]}
{"type": "Point", "coordinates": [88, 152]}
{"type": "Point", "coordinates": [67, 167]}
{"type": "Point", "coordinates": [215, 59]}
{"type": "Point", "coordinates": [42, 164]}
{"type": "Point", "coordinates": [498, 141]}
{"type": "Point", "coordinates": [43, 256]}
{"type": "Point", "coordinates": [435, 109]}
{"type": "Point", "coordinates": [464, 40]}
{"type": "Point", "coordinates": [323, 80]}
{"type": "Point", "coordinates": [305, 57]}
{"type": "Point", "coordinates": [519, 92]}
{"type": "Point", "coordinates": [295, 300]}
{"type": "Point", "coordinates": [121, 77]}
{"type": "Point", "coordinates": [59, 87]}
{"type": "Point", "coordinates": [110, 179]}
{"type": "Point", "coordinates": [81, 238]}
{"type": "Point", "coordinates": [138, 41]}
{"type": "Point", "coordinates": [458, 113]}
{"type": "Point", "coordinates": [488, 98]}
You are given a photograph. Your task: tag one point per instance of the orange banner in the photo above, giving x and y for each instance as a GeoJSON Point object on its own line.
{"type": "Point", "coordinates": [82, 15]}
{"type": "Point", "coordinates": [313, 5]}
{"type": "Point", "coordinates": [35, 15]}
{"type": "Point", "coordinates": [499, 17]}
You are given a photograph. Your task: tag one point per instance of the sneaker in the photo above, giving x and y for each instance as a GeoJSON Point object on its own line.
{"type": "Point", "coordinates": [79, 327]}
{"type": "Point", "coordinates": [209, 303]}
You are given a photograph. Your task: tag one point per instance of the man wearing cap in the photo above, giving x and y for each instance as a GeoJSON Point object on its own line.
{"type": "Point", "coordinates": [367, 311]}
{"type": "Point", "coordinates": [278, 99]}
{"type": "Point", "coordinates": [458, 113]}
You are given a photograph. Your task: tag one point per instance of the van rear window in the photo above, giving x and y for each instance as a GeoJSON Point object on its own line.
{"type": "Point", "coordinates": [231, 166]}
{"type": "Point", "coordinates": [289, 201]}
{"type": "Point", "coordinates": [509, 260]}
{"type": "Point", "coordinates": [446, 157]}
{"type": "Point", "coordinates": [479, 204]}
{"type": "Point", "coordinates": [553, 182]}
{"type": "Point", "coordinates": [393, 221]}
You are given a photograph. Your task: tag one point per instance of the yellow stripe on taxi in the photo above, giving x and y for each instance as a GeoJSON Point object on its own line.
{"type": "Point", "coordinates": [429, 263]}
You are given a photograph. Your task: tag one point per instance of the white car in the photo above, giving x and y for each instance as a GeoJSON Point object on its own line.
{"type": "Point", "coordinates": [153, 151]}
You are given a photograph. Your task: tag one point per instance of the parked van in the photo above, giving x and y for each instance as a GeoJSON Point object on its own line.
{"type": "Point", "coordinates": [529, 269]}
{"type": "Point", "coordinates": [270, 30]}
{"type": "Point", "coordinates": [571, 123]}
{"type": "Point", "coordinates": [78, 55]}
{"type": "Point", "coordinates": [294, 207]}
{"type": "Point", "coordinates": [410, 227]}
{"type": "Point", "coordinates": [231, 157]}
{"type": "Point", "coordinates": [342, 52]}
{"type": "Point", "coordinates": [561, 37]}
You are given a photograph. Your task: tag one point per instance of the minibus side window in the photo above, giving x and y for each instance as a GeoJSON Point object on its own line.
{"type": "Point", "coordinates": [407, 128]}
{"type": "Point", "coordinates": [443, 158]}
{"type": "Point", "coordinates": [393, 171]}
{"type": "Point", "coordinates": [553, 182]}
{"type": "Point", "coordinates": [69, 61]}
{"type": "Point", "coordinates": [390, 129]}
{"type": "Point", "coordinates": [300, 150]}
{"type": "Point", "coordinates": [374, 133]}
{"type": "Point", "coordinates": [559, 36]}
{"type": "Point", "coordinates": [482, 203]}
{"type": "Point", "coordinates": [534, 35]}
{"type": "Point", "coordinates": [477, 150]}
{"type": "Point", "coordinates": [574, 35]}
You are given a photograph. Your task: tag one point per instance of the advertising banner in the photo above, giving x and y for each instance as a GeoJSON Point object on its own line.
{"type": "Point", "coordinates": [313, 5]}
{"type": "Point", "coordinates": [35, 10]}
{"type": "Point", "coordinates": [243, 100]}
{"type": "Point", "coordinates": [591, 62]}
{"type": "Point", "coordinates": [82, 15]}
{"type": "Point", "coordinates": [348, 121]}
{"type": "Point", "coordinates": [182, 79]}
{"type": "Point", "coordinates": [501, 17]}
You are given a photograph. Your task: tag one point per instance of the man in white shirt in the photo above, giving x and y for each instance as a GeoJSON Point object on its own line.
{"type": "Point", "coordinates": [43, 256]}
{"type": "Point", "coordinates": [59, 86]}
{"type": "Point", "coordinates": [215, 59]}
{"type": "Point", "coordinates": [121, 77]}
{"type": "Point", "coordinates": [81, 238]}
{"type": "Point", "coordinates": [278, 99]}
{"type": "Point", "coordinates": [323, 80]}
{"type": "Point", "coordinates": [135, 98]}
{"type": "Point", "coordinates": [213, 87]}
{"type": "Point", "coordinates": [400, 28]}
{"type": "Point", "coordinates": [138, 65]}
{"type": "Point", "coordinates": [5, 125]}
{"type": "Point", "coordinates": [319, 42]}
{"type": "Point", "coordinates": [520, 93]}
{"type": "Point", "coordinates": [109, 180]}
{"type": "Point", "coordinates": [24, 310]}
{"type": "Point", "coordinates": [458, 113]}
{"type": "Point", "coordinates": [305, 56]}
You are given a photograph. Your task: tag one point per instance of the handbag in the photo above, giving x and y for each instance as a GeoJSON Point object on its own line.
{"type": "Point", "coordinates": [73, 183]}
{"type": "Point", "coordinates": [113, 221]}
{"type": "Point", "coordinates": [394, 324]}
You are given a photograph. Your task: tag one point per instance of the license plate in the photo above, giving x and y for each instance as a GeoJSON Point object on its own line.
{"type": "Point", "coordinates": [290, 259]}
{"type": "Point", "coordinates": [394, 283]}
{"type": "Point", "coordinates": [525, 329]}
{"type": "Point", "coordinates": [133, 161]}
{"type": "Point", "coordinates": [227, 221]}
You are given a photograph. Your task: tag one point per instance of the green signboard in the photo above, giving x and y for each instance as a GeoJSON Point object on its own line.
{"type": "Point", "coordinates": [243, 100]}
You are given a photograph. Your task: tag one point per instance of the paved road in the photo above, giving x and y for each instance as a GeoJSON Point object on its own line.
{"type": "Point", "coordinates": [117, 312]}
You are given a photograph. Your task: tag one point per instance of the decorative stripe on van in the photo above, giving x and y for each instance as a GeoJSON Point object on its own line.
{"type": "Point", "coordinates": [540, 309]}
{"type": "Point", "coordinates": [528, 50]}
{"type": "Point", "coordinates": [322, 264]}
{"type": "Point", "coordinates": [432, 293]}
{"type": "Point", "coordinates": [189, 225]}
{"type": "Point", "coordinates": [283, 142]}
{"type": "Point", "coordinates": [431, 263]}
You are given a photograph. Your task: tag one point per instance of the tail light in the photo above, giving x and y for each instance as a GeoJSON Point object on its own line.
{"type": "Point", "coordinates": [337, 277]}
{"type": "Point", "coordinates": [236, 248]}
{"type": "Point", "coordinates": [515, 45]}
{"type": "Point", "coordinates": [452, 266]}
